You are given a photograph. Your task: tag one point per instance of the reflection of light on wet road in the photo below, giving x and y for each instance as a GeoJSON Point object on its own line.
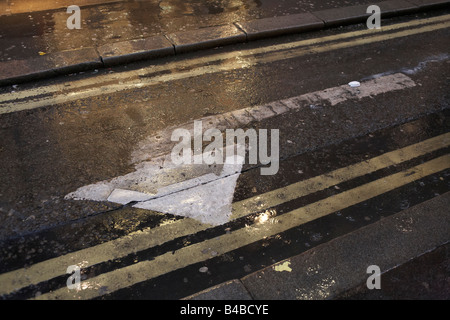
{"type": "Point", "coordinates": [266, 216]}
{"type": "Point", "coordinates": [85, 285]}
{"type": "Point", "coordinates": [214, 63]}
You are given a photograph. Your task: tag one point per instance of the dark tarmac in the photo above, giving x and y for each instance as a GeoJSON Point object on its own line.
{"type": "Point", "coordinates": [81, 129]}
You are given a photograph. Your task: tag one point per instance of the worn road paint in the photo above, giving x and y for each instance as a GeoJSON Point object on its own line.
{"type": "Point", "coordinates": [151, 188]}
{"type": "Point", "coordinates": [145, 270]}
{"type": "Point", "coordinates": [315, 184]}
{"type": "Point", "coordinates": [285, 266]}
{"type": "Point", "coordinates": [183, 198]}
{"type": "Point", "coordinates": [214, 209]}
{"type": "Point", "coordinates": [159, 145]}
{"type": "Point", "coordinates": [56, 94]}
{"type": "Point", "coordinates": [151, 237]}
{"type": "Point", "coordinates": [55, 88]}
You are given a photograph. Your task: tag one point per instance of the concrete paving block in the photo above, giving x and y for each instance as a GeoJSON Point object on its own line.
{"type": "Point", "coordinates": [231, 290]}
{"type": "Point", "coordinates": [342, 15]}
{"type": "Point", "coordinates": [203, 38]}
{"type": "Point", "coordinates": [137, 49]}
{"type": "Point", "coordinates": [278, 107]}
{"type": "Point", "coordinates": [75, 60]}
{"type": "Point", "coordinates": [297, 102]}
{"type": "Point", "coordinates": [261, 112]}
{"type": "Point", "coordinates": [214, 122]}
{"type": "Point", "coordinates": [358, 13]}
{"type": "Point", "coordinates": [16, 71]}
{"type": "Point", "coordinates": [334, 267]}
{"type": "Point", "coordinates": [267, 27]}
{"type": "Point", "coordinates": [393, 7]}
{"type": "Point", "coordinates": [49, 65]}
{"type": "Point", "coordinates": [243, 116]}
{"type": "Point", "coordinates": [429, 3]}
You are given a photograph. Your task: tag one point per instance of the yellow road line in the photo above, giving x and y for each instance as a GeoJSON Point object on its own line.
{"type": "Point", "coordinates": [148, 238]}
{"type": "Point", "coordinates": [305, 187]}
{"type": "Point", "coordinates": [218, 57]}
{"type": "Point", "coordinates": [229, 61]}
{"type": "Point", "coordinates": [142, 271]}
{"type": "Point", "coordinates": [352, 43]}
{"type": "Point", "coordinates": [366, 33]}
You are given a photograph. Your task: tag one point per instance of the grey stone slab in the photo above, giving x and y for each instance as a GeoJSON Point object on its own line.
{"type": "Point", "coordinates": [16, 71]}
{"type": "Point", "coordinates": [298, 102]}
{"type": "Point", "coordinates": [358, 13]}
{"type": "Point", "coordinates": [49, 65]}
{"type": "Point", "coordinates": [242, 116]}
{"type": "Point", "coordinates": [203, 38]}
{"type": "Point", "coordinates": [75, 60]}
{"type": "Point", "coordinates": [394, 7]}
{"type": "Point", "coordinates": [261, 112]}
{"type": "Point", "coordinates": [342, 15]}
{"type": "Point", "coordinates": [429, 3]}
{"type": "Point", "coordinates": [138, 49]}
{"type": "Point", "coordinates": [275, 26]}
{"type": "Point", "coordinates": [231, 290]}
{"type": "Point", "coordinates": [278, 107]}
{"type": "Point", "coordinates": [341, 264]}
{"type": "Point", "coordinates": [231, 120]}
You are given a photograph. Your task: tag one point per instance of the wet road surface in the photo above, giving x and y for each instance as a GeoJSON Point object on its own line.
{"type": "Point", "coordinates": [31, 28]}
{"type": "Point", "coordinates": [348, 158]}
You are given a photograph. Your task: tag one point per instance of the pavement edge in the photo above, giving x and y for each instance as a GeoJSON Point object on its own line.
{"type": "Point", "coordinates": [65, 62]}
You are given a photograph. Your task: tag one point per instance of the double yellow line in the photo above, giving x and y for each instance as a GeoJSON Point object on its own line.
{"type": "Point", "coordinates": [111, 83]}
{"type": "Point", "coordinates": [267, 223]}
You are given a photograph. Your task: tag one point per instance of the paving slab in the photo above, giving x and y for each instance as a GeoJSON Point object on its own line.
{"type": "Point", "coordinates": [269, 27]}
{"type": "Point", "coordinates": [394, 7]}
{"type": "Point", "coordinates": [132, 50]}
{"type": "Point", "coordinates": [104, 53]}
{"type": "Point", "coordinates": [25, 70]}
{"type": "Point", "coordinates": [341, 264]}
{"type": "Point", "coordinates": [429, 3]}
{"type": "Point", "coordinates": [424, 278]}
{"type": "Point", "coordinates": [358, 13]}
{"type": "Point", "coordinates": [203, 38]}
{"type": "Point", "coordinates": [49, 65]}
{"type": "Point", "coordinates": [75, 60]}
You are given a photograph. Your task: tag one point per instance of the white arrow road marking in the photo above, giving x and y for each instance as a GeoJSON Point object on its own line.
{"type": "Point", "coordinates": [206, 192]}
{"type": "Point", "coordinates": [155, 236]}
{"type": "Point", "coordinates": [209, 203]}
{"type": "Point", "coordinates": [160, 143]}
{"type": "Point", "coordinates": [123, 196]}
{"type": "Point", "coordinates": [206, 197]}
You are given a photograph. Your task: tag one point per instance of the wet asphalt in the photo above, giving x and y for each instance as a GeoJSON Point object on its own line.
{"type": "Point", "coordinates": [49, 152]}
{"type": "Point", "coordinates": [28, 31]}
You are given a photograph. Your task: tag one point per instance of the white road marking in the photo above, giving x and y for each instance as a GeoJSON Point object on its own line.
{"type": "Point", "coordinates": [108, 84]}
{"type": "Point", "coordinates": [151, 237]}
{"type": "Point", "coordinates": [185, 197]}
{"type": "Point", "coordinates": [162, 264]}
{"type": "Point", "coordinates": [159, 144]}
{"type": "Point", "coordinates": [161, 186]}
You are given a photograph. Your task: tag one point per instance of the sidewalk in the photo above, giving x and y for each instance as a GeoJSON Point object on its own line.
{"type": "Point", "coordinates": [35, 42]}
